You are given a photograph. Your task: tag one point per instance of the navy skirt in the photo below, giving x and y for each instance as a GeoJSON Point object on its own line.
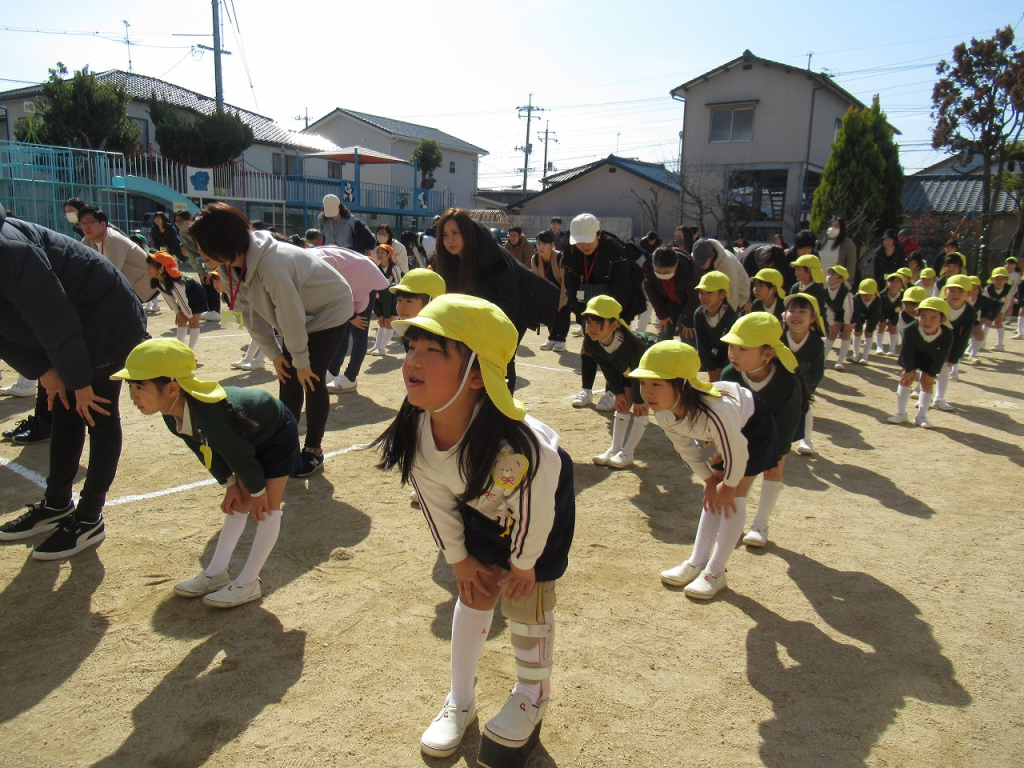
{"type": "Point", "coordinates": [762, 441]}
{"type": "Point", "coordinates": [279, 455]}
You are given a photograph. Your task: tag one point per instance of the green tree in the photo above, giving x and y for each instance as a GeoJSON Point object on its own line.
{"type": "Point", "coordinates": [81, 112]}
{"type": "Point", "coordinates": [429, 158]}
{"type": "Point", "coordinates": [852, 183]}
{"type": "Point", "coordinates": [201, 140]}
{"type": "Point", "coordinates": [891, 216]}
{"type": "Point", "coordinates": [978, 107]}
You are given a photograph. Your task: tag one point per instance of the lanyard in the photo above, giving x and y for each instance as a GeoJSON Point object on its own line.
{"type": "Point", "coordinates": [587, 272]}
{"type": "Point", "coordinates": [232, 289]}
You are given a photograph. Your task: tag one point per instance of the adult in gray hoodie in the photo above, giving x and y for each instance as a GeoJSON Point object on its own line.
{"type": "Point", "coordinates": [281, 287]}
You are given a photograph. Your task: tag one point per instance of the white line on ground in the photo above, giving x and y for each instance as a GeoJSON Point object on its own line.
{"type": "Point", "coordinates": [28, 474]}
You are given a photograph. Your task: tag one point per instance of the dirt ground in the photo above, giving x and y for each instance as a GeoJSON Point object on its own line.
{"type": "Point", "coordinates": [881, 626]}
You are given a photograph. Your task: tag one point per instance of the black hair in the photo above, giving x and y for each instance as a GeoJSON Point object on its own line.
{"type": "Point", "coordinates": [75, 202]}
{"type": "Point", "coordinates": [96, 213]}
{"type": "Point", "coordinates": [166, 284]}
{"type": "Point", "coordinates": [424, 297]}
{"type": "Point", "coordinates": [665, 256]}
{"type": "Point", "coordinates": [485, 438]}
{"type": "Point", "coordinates": [391, 233]}
{"type": "Point", "coordinates": [240, 421]}
{"type": "Point", "coordinates": [805, 239]}
{"type": "Point", "coordinates": [517, 229]}
{"type": "Point", "coordinates": [691, 399]}
{"type": "Point", "coordinates": [842, 228]}
{"type": "Point", "coordinates": [313, 234]}
{"type": "Point", "coordinates": [629, 339]}
{"type": "Point", "coordinates": [183, 215]}
{"type": "Point", "coordinates": [222, 232]}
{"type": "Point", "coordinates": [556, 220]}
{"type": "Point", "coordinates": [547, 236]}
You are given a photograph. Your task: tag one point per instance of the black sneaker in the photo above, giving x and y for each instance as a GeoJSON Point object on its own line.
{"type": "Point", "coordinates": [70, 538]}
{"type": "Point", "coordinates": [34, 432]}
{"type": "Point", "coordinates": [39, 519]}
{"type": "Point", "coordinates": [21, 426]}
{"type": "Point", "coordinates": [311, 462]}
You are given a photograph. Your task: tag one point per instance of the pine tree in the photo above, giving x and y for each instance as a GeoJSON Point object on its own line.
{"type": "Point", "coordinates": [200, 140]}
{"type": "Point", "coordinates": [891, 216]}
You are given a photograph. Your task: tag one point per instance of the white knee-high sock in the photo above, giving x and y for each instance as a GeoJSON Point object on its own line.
{"type": "Point", "coordinates": [894, 341]}
{"type": "Point", "coordinates": [943, 382]}
{"type": "Point", "coordinates": [636, 433]}
{"type": "Point", "coordinates": [856, 346]}
{"type": "Point", "coordinates": [984, 338]}
{"type": "Point", "coordinates": [1020, 322]}
{"type": "Point", "coordinates": [844, 348]}
{"type": "Point", "coordinates": [388, 333]}
{"type": "Point", "coordinates": [729, 533]}
{"type": "Point", "coordinates": [469, 633]}
{"type": "Point", "coordinates": [378, 342]}
{"type": "Point", "coordinates": [972, 350]}
{"type": "Point", "coordinates": [24, 383]}
{"type": "Point", "coordinates": [181, 333]}
{"type": "Point", "coordinates": [620, 423]}
{"type": "Point", "coordinates": [999, 336]}
{"type": "Point", "coordinates": [253, 353]}
{"type": "Point", "coordinates": [704, 541]}
{"type": "Point", "coordinates": [193, 337]}
{"type": "Point", "coordinates": [879, 339]}
{"type": "Point", "coordinates": [809, 423]}
{"type": "Point", "coordinates": [230, 533]}
{"type": "Point", "coordinates": [902, 399]}
{"type": "Point", "coordinates": [262, 545]}
{"type": "Point", "coordinates": [865, 352]}
{"type": "Point", "coordinates": [770, 490]}
{"type": "Point", "coordinates": [829, 346]}
{"type": "Point", "coordinates": [922, 405]}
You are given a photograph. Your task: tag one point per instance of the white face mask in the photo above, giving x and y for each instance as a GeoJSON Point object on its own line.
{"type": "Point", "coordinates": [71, 216]}
{"type": "Point", "coordinates": [382, 237]}
{"type": "Point", "coordinates": [667, 276]}
{"type": "Point", "coordinates": [832, 233]}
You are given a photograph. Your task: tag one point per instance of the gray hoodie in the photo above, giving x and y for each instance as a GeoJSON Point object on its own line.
{"type": "Point", "coordinates": [293, 291]}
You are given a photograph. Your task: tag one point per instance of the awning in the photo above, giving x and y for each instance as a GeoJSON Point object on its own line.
{"type": "Point", "coordinates": [366, 156]}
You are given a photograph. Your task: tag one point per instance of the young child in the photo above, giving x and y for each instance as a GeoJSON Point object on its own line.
{"type": "Point", "coordinates": [929, 281]}
{"type": "Point", "coordinates": [999, 289]}
{"type": "Point", "coordinates": [183, 295]}
{"type": "Point", "coordinates": [737, 422]}
{"type": "Point", "coordinates": [766, 286]}
{"type": "Point", "coordinates": [810, 278]}
{"type": "Point", "coordinates": [804, 327]}
{"type": "Point", "coordinates": [926, 346]}
{"type": "Point", "coordinates": [961, 317]}
{"type": "Point", "coordinates": [760, 361]}
{"type": "Point", "coordinates": [892, 300]}
{"type": "Point", "coordinates": [867, 314]}
{"type": "Point", "coordinates": [1013, 271]}
{"type": "Point", "coordinates": [838, 312]}
{"type": "Point", "coordinates": [415, 291]}
{"type": "Point", "coordinates": [248, 441]}
{"type": "Point", "coordinates": [498, 497]}
{"type": "Point", "coordinates": [987, 310]}
{"type": "Point", "coordinates": [913, 296]}
{"type": "Point", "coordinates": [711, 321]}
{"type": "Point", "coordinates": [384, 306]}
{"type": "Point", "coordinates": [955, 264]}
{"type": "Point", "coordinates": [617, 350]}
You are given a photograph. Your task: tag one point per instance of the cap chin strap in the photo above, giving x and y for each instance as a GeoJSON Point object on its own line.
{"type": "Point", "coordinates": [462, 386]}
{"type": "Point", "coordinates": [760, 367]}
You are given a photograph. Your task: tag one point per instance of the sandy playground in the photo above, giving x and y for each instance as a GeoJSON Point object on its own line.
{"type": "Point", "coordinates": [881, 626]}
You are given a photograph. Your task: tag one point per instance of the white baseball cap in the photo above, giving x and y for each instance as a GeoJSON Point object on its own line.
{"type": "Point", "coordinates": [332, 206]}
{"type": "Point", "coordinates": [584, 229]}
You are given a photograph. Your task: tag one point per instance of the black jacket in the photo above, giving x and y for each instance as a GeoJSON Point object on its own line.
{"type": "Point", "coordinates": [606, 265]}
{"type": "Point", "coordinates": [62, 306]}
{"type": "Point", "coordinates": [685, 280]}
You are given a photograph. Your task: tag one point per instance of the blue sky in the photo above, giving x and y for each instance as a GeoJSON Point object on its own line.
{"type": "Point", "coordinates": [601, 70]}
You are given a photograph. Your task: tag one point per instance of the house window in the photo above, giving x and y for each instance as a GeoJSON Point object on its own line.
{"type": "Point", "coordinates": [451, 166]}
{"type": "Point", "coordinates": [287, 167]}
{"type": "Point", "coordinates": [732, 125]}
{"type": "Point", "coordinates": [333, 169]}
{"type": "Point", "coordinates": [839, 124]}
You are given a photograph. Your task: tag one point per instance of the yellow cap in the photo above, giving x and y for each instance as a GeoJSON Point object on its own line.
{"type": "Point", "coordinates": [672, 360]}
{"type": "Point", "coordinates": [843, 272]}
{"type": "Point", "coordinates": [421, 281]}
{"type": "Point", "coordinates": [935, 303]}
{"type": "Point", "coordinates": [898, 276]}
{"type": "Point", "coordinates": [813, 301]}
{"type": "Point", "coordinates": [999, 272]}
{"type": "Point", "coordinates": [915, 294]}
{"type": "Point", "coordinates": [169, 357]}
{"type": "Point", "coordinates": [907, 274]}
{"type": "Point", "coordinates": [603, 306]}
{"type": "Point", "coordinates": [772, 277]}
{"type": "Point", "coordinates": [713, 281]}
{"type": "Point", "coordinates": [974, 280]}
{"type": "Point", "coordinates": [958, 281]}
{"type": "Point", "coordinates": [760, 329]}
{"type": "Point", "coordinates": [813, 263]}
{"type": "Point", "coordinates": [927, 273]}
{"type": "Point", "coordinates": [868, 287]}
{"type": "Point", "coordinates": [485, 329]}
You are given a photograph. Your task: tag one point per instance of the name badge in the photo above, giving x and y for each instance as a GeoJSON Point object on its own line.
{"type": "Point", "coordinates": [580, 295]}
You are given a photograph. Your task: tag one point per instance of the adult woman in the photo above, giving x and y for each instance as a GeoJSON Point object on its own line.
{"type": "Point", "coordinates": [888, 256]}
{"type": "Point", "coordinates": [839, 250]}
{"type": "Point", "coordinates": [71, 208]}
{"type": "Point", "coordinates": [164, 236]}
{"type": "Point", "coordinates": [386, 236]}
{"type": "Point", "coordinates": [547, 262]}
{"type": "Point", "coordinates": [282, 288]}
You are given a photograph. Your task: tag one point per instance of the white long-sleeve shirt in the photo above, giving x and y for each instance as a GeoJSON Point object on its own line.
{"type": "Point", "coordinates": [723, 427]}
{"type": "Point", "coordinates": [527, 515]}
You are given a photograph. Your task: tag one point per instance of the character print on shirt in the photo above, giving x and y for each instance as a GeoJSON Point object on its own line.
{"type": "Point", "coordinates": [507, 474]}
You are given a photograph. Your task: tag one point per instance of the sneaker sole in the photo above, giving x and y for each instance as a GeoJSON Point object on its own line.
{"type": "Point", "coordinates": [308, 474]}
{"type": "Point", "coordinates": [95, 541]}
{"type": "Point", "coordinates": [18, 536]}
{"type": "Point", "coordinates": [757, 544]}
{"type": "Point", "coordinates": [16, 441]}
{"type": "Point", "coordinates": [430, 751]}
{"type": "Point", "coordinates": [221, 606]}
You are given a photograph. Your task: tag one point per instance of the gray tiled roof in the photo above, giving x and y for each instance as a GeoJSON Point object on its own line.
{"type": "Point", "coordinates": [265, 130]}
{"type": "Point", "coordinates": [656, 173]}
{"type": "Point", "coordinates": [948, 194]}
{"type": "Point", "coordinates": [407, 130]}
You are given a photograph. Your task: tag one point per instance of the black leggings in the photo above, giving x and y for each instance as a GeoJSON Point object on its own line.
{"type": "Point", "coordinates": [323, 345]}
{"type": "Point", "coordinates": [68, 440]}
{"type": "Point", "coordinates": [588, 367]}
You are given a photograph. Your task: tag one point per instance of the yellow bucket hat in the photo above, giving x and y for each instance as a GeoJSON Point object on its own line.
{"type": "Point", "coordinates": [897, 275]}
{"type": "Point", "coordinates": [927, 273]}
{"type": "Point", "coordinates": [915, 294]}
{"type": "Point", "coordinates": [605, 307]}
{"type": "Point", "coordinates": [999, 272]}
{"type": "Point", "coordinates": [907, 274]}
{"type": "Point", "coordinates": [935, 303]}
{"type": "Point", "coordinates": [957, 281]}
{"type": "Point", "coordinates": [974, 280]}
{"type": "Point", "coordinates": [813, 301]}
{"type": "Point", "coordinates": [760, 329]}
{"type": "Point", "coordinates": [868, 287]}
{"type": "Point", "coordinates": [672, 360]}
{"type": "Point", "coordinates": [421, 281]}
{"type": "Point", "coordinates": [813, 263]}
{"type": "Point", "coordinates": [772, 277]}
{"type": "Point", "coordinates": [169, 357]}
{"type": "Point", "coordinates": [843, 272]}
{"type": "Point", "coordinates": [488, 333]}
{"type": "Point", "coordinates": [713, 281]}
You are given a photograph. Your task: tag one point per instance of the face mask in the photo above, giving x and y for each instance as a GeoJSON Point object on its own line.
{"type": "Point", "coordinates": [382, 237]}
{"type": "Point", "coordinates": [72, 217]}
{"type": "Point", "coordinates": [832, 233]}
{"type": "Point", "coordinates": [669, 276]}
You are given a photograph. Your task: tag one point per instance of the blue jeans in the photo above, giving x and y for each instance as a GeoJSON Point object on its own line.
{"type": "Point", "coordinates": [356, 337]}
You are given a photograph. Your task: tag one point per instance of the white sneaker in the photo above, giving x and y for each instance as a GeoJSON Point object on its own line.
{"type": "Point", "coordinates": [414, 499]}
{"type": "Point", "coordinates": [621, 460]}
{"type": "Point", "coordinates": [233, 595]}
{"type": "Point", "coordinates": [923, 422]}
{"type": "Point", "coordinates": [806, 447]}
{"type": "Point", "coordinates": [954, 376]}
{"type": "Point", "coordinates": [1017, 336]}
{"type": "Point", "coordinates": [333, 385]}
{"type": "Point", "coordinates": [238, 363]}
{"type": "Point", "coordinates": [577, 331]}
{"type": "Point", "coordinates": [602, 459]}
{"type": "Point", "coordinates": [942, 405]}
{"type": "Point", "coordinates": [549, 344]}
{"type": "Point", "coordinates": [376, 352]}
{"type": "Point", "coordinates": [345, 385]}
{"type": "Point", "coordinates": [681, 575]}
{"type": "Point", "coordinates": [757, 537]}
{"type": "Point", "coordinates": [863, 361]}
{"type": "Point", "coordinates": [210, 317]}
{"type": "Point", "coordinates": [583, 398]}
{"type": "Point", "coordinates": [516, 721]}
{"type": "Point", "coordinates": [998, 348]}
{"type": "Point", "coordinates": [16, 391]}
{"type": "Point", "coordinates": [559, 346]}
{"type": "Point", "coordinates": [607, 402]}
{"type": "Point", "coordinates": [839, 367]}
{"type": "Point", "coordinates": [705, 586]}
{"type": "Point", "coordinates": [899, 418]}
{"type": "Point", "coordinates": [444, 735]}
{"type": "Point", "coordinates": [202, 584]}
{"type": "Point", "coordinates": [915, 395]}
{"type": "Point", "coordinates": [251, 365]}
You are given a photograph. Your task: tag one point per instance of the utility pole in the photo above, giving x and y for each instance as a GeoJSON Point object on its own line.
{"type": "Point", "coordinates": [306, 118]}
{"type": "Point", "coordinates": [217, 76]}
{"type": "Point", "coordinates": [128, 42]}
{"type": "Point", "coordinates": [547, 137]}
{"type": "Point", "coordinates": [526, 149]}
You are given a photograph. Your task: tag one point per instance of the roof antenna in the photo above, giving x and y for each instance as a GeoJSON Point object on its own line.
{"type": "Point", "coordinates": [810, 55]}
{"type": "Point", "coordinates": [128, 42]}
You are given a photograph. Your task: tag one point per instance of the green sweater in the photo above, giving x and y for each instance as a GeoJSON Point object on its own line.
{"type": "Point", "coordinates": [784, 397]}
{"type": "Point", "coordinates": [810, 358]}
{"type": "Point", "coordinates": [919, 354]}
{"type": "Point", "coordinates": [615, 365]}
{"type": "Point", "coordinates": [713, 353]}
{"type": "Point", "coordinates": [777, 309]}
{"type": "Point", "coordinates": [229, 448]}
